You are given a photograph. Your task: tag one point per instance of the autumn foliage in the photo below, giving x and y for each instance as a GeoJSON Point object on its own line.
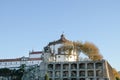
{"type": "Point", "coordinates": [116, 74]}
{"type": "Point", "coordinates": [87, 48]}
{"type": "Point", "coordinates": [91, 51]}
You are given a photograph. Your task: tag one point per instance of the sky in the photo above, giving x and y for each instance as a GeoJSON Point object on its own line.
{"type": "Point", "coordinates": [27, 25]}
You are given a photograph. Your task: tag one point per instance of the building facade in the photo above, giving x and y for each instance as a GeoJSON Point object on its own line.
{"type": "Point", "coordinates": [80, 70]}
{"type": "Point", "coordinates": [60, 60]}
{"type": "Point", "coordinates": [33, 59]}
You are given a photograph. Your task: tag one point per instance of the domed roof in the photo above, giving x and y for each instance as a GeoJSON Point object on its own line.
{"type": "Point", "coordinates": [60, 41]}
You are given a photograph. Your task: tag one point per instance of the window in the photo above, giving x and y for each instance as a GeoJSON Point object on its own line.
{"type": "Point", "coordinates": [5, 63]}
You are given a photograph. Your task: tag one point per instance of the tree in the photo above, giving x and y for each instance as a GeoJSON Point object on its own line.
{"type": "Point", "coordinates": [116, 74]}
{"type": "Point", "coordinates": [20, 71]}
{"type": "Point", "coordinates": [117, 78]}
{"type": "Point", "coordinates": [46, 77]}
{"type": "Point", "coordinates": [5, 72]}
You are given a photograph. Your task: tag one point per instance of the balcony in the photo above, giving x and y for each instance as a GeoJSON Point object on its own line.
{"type": "Point", "coordinates": [57, 79]}
{"type": "Point", "coordinates": [90, 66]}
{"type": "Point", "coordinates": [57, 66]}
{"type": "Point", "coordinates": [73, 78]}
{"type": "Point", "coordinates": [50, 66]}
{"type": "Point", "coordinates": [65, 74]}
{"type": "Point", "coordinates": [73, 66]}
{"type": "Point", "coordinates": [57, 73]}
{"type": "Point", "coordinates": [82, 79]}
{"type": "Point", "coordinates": [99, 73]}
{"type": "Point", "coordinates": [50, 73]}
{"type": "Point", "coordinates": [91, 73]}
{"type": "Point", "coordinates": [65, 79]}
{"type": "Point", "coordinates": [65, 66]}
{"type": "Point", "coordinates": [81, 73]}
{"type": "Point", "coordinates": [73, 73]}
{"type": "Point", "coordinates": [99, 65]}
{"type": "Point", "coordinates": [82, 66]}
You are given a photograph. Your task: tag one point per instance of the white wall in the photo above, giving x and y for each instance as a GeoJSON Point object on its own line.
{"type": "Point", "coordinates": [62, 58]}
{"type": "Point", "coordinates": [10, 64]}
{"type": "Point", "coordinates": [35, 55]}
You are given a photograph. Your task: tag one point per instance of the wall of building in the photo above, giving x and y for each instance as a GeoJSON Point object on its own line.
{"type": "Point", "coordinates": [109, 71]}
{"type": "Point", "coordinates": [9, 64]}
{"type": "Point", "coordinates": [82, 70]}
{"type": "Point", "coordinates": [35, 55]}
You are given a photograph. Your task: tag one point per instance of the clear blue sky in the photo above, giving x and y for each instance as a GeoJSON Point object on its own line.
{"type": "Point", "coordinates": [31, 24]}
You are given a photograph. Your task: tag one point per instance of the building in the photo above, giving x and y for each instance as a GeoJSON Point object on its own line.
{"type": "Point", "coordinates": [81, 70]}
{"type": "Point", "coordinates": [61, 61]}
{"type": "Point", "coordinates": [55, 52]}
{"type": "Point", "coordinates": [33, 59]}
{"type": "Point", "coordinates": [64, 63]}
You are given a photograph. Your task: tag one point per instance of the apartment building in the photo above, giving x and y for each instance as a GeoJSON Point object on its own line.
{"type": "Point", "coordinates": [33, 59]}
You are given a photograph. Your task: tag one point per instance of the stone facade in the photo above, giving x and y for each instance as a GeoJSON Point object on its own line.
{"type": "Point", "coordinates": [81, 70]}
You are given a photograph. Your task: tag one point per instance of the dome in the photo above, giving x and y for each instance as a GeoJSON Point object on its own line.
{"type": "Point", "coordinates": [60, 41]}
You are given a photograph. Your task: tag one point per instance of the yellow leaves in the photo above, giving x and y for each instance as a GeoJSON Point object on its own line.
{"type": "Point", "coordinates": [77, 46]}
{"type": "Point", "coordinates": [116, 74]}
{"type": "Point", "coordinates": [91, 51]}
{"type": "Point", "coordinates": [87, 48]}
{"type": "Point", "coordinates": [96, 57]}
